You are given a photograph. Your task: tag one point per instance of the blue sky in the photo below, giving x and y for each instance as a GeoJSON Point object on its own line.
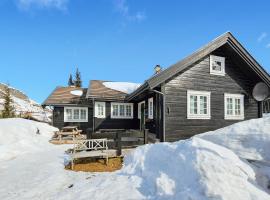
{"type": "Point", "coordinates": [43, 41]}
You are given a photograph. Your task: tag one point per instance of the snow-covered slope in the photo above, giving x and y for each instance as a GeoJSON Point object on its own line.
{"type": "Point", "coordinates": [196, 169]}
{"type": "Point", "coordinates": [23, 104]}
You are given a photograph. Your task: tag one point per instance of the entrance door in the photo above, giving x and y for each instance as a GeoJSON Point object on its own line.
{"type": "Point", "coordinates": [142, 120]}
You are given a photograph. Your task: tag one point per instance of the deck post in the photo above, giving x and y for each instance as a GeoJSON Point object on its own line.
{"type": "Point", "coordinates": [145, 134]}
{"type": "Point", "coordinates": [118, 143]}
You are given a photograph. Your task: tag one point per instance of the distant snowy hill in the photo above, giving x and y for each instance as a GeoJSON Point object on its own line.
{"type": "Point", "coordinates": [24, 105]}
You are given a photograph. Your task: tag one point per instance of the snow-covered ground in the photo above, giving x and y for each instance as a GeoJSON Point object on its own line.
{"type": "Point", "coordinates": [202, 167]}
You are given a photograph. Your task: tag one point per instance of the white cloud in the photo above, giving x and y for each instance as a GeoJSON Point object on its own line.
{"type": "Point", "coordinates": [268, 46]}
{"type": "Point", "coordinates": [123, 8]}
{"type": "Point", "coordinates": [56, 4]}
{"type": "Point", "coordinates": [262, 36]}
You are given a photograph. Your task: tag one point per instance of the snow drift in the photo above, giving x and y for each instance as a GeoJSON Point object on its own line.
{"type": "Point", "coordinates": [18, 136]}
{"type": "Point", "coordinates": [249, 139]}
{"type": "Point", "coordinates": [207, 166]}
{"type": "Point", "coordinates": [192, 169]}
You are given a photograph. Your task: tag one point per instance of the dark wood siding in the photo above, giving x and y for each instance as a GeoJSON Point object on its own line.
{"type": "Point", "coordinates": [58, 119]}
{"type": "Point", "coordinates": [109, 123]}
{"type": "Point", "coordinates": [198, 77]}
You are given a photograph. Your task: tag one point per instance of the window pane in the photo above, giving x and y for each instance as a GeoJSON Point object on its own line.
{"type": "Point", "coordinates": [69, 113]}
{"type": "Point", "coordinates": [128, 110]}
{"type": "Point", "coordinates": [193, 104]}
{"type": "Point", "coordinates": [229, 106]}
{"type": "Point", "coordinates": [76, 113]}
{"type": "Point", "coordinates": [122, 110]}
{"type": "Point", "coordinates": [83, 114]}
{"type": "Point", "coordinates": [237, 107]}
{"type": "Point", "coordinates": [115, 110]}
{"type": "Point", "coordinates": [100, 109]}
{"type": "Point", "coordinates": [216, 66]}
{"type": "Point", "coordinates": [203, 105]}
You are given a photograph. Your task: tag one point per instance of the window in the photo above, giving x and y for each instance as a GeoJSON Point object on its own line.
{"type": "Point", "coordinates": [198, 104]}
{"type": "Point", "coordinates": [234, 106]}
{"type": "Point", "coordinates": [128, 110]}
{"type": "Point", "coordinates": [150, 108]}
{"type": "Point", "coordinates": [122, 110]}
{"type": "Point", "coordinates": [75, 114]}
{"type": "Point", "coordinates": [83, 114]}
{"type": "Point", "coordinates": [139, 109]}
{"type": "Point", "coordinates": [217, 65]}
{"type": "Point", "coordinates": [100, 109]}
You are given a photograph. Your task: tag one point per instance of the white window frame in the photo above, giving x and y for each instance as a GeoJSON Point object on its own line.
{"type": "Point", "coordinates": [219, 59]}
{"type": "Point", "coordinates": [72, 114]}
{"type": "Point", "coordinates": [139, 109]}
{"type": "Point", "coordinates": [125, 110]}
{"type": "Point", "coordinates": [242, 111]}
{"type": "Point", "coordinates": [198, 94]}
{"type": "Point", "coordinates": [103, 104]}
{"type": "Point", "coordinates": [150, 111]}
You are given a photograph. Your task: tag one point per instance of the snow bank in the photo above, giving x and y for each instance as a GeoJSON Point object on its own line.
{"type": "Point", "coordinates": [248, 139]}
{"type": "Point", "coordinates": [192, 169]}
{"type": "Point", "coordinates": [125, 87]}
{"type": "Point", "coordinates": [18, 136]}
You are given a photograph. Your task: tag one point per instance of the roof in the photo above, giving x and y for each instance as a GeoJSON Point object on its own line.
{"type": "Point", "coordinates": [98, 90]}
{"type": "Point", "coordinates": [226, 38]}
{"type": "Point", "coordinates": [63, 96]}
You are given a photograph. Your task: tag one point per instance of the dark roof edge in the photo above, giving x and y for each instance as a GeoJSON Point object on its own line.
{"type": "Point", "coordinates": [138, 91]}
{"type": "Point", "coordinates": [44, 102]}
{"type": "Point", "coordinates": [227, 37]}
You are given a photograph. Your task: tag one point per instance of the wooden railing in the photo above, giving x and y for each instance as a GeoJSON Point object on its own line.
{"type": "Point", "coordinates": [91, 144]}
{"type": "Point", "coordinates": [119, 139]}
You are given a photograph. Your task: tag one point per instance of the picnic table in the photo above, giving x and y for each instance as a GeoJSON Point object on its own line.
{"type": "Point", "coordinates": [67, 132]}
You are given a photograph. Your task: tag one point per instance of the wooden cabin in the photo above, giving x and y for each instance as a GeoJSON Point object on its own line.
{"type": "Point", "coordinates": [207, 90]}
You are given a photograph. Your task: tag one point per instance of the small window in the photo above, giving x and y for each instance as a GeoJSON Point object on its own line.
{"type": "Point", "coordinates": [234, 106]}
{"type": "Point", "coordinates": [150, 108]}
{"type": "Point", "coordinates": [198, 104]}
{"type": "Point", "coordinates": [75, 114]}
{"type": "Point", "coordinates": [100, 109]}
{"type": "Point", "coordinates": [121, 110]}
{"type": "Point", "coordinates": [217, 65]}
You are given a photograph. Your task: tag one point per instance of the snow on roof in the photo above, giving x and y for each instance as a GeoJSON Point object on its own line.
{"type": "Point", "coordinates": [76, 92]}
{"type": "Point", "coordinates": [125, 87]}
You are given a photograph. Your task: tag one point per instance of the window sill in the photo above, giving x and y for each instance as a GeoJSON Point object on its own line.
{"type": "Point", "coordinates": [217, 73]}
{"type": "Point", "coordinates": [234, 118]}
{"type": "Point", "coordinates": [76, 120]}
{"type": "Point", "coordinates": [198, 117]}
{"type": "Point", "coordinates": [121, 117]}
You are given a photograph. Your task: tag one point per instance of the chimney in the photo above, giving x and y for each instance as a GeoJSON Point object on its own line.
{"type": "Point", "coordinates": [158, 69]}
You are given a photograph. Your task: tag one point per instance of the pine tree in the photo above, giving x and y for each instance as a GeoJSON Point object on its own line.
{"type": "Point", "coordinates": [78, 81]}
{"type": "Point", "coordinates": [9, 110]}
{"type": "Point", "coordinates": [70, 80]}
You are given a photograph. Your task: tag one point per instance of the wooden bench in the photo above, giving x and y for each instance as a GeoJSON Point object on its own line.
{"type": "Point", "coordinates": [90, 149]}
